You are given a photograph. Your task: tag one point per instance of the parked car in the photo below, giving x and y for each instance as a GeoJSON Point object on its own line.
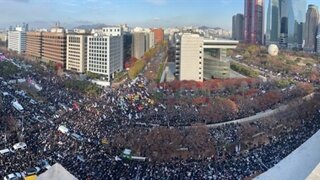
{"type": "Point", "coordinates": [6, 151]}
{"type": "Point", "coordinates": [20, 145]}
{"type": "Point", "coordinates": [44, 164]}
{"type": "Point", "coordinates": [32, 171]}
{"type": "Point", "coordinates": [14, 176]}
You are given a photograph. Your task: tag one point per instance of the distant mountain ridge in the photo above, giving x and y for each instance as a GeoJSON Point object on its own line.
{"type": "Point", "coordinates": [91, 26]}
{"type": "Point", "coordinates": [206, 27]}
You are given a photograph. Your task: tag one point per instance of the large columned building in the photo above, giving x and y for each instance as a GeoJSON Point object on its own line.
{"type": "Point", "coordinates": [254, 21]}
{"type": "Point", "coordinates": [200, 59]}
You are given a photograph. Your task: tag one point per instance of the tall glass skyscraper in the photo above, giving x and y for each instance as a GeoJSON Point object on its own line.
{"type": "Point", "coordinates": [312, 21]}
{"type": "Point", "coordinates": [254, 21]}
{"type": "Point", "coordinates": [273, 22]}
{"type": "Point", "coordinates": [292, 22]}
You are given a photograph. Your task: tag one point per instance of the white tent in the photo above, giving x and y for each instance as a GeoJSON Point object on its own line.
{"type": "Point", "coordinates": [56, 172]}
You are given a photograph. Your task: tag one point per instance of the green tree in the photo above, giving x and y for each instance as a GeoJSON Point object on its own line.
{"type": "Point", "coordinates": [136, 68]}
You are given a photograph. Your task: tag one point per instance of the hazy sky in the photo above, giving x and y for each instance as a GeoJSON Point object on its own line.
{"type": "Point", "coordinates": [149, 13]}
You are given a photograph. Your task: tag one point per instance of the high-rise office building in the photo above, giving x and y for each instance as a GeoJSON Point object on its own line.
{"type": "Point", "coordinates": [127, 45]}
{"type": "Point", "coordinates": [34, 45]}
{"type": "Point", "coordinates": [158, 35]}
{"type": "Point", "coordinates": [105, 52]}
{"type": "Point", "coordinates": [254, 21]}
{"type": "Point", "coordinates": [238, 27]}
{"type": "Point", "coordinates": [292, 13]}
{"type": "Point", "coordinates": [138, 44]}
{"type": "Point", "coordinates": [17, 41]}
{"type": "Point", "coordinates": [17, 38]}
{"type": "Point", "coordinates": [54, 46]}
{"type": "Point", "coordinates": [318, 40]}
{"type": "Point", "coordinates": [273, 22]}
{"type": "Point", "coordinates": [77, 52]}
{"type": "Point", "coordinates": [201, 59]}
{"type": "Point", "coordinates": [151, 38]}
{"type": "Point", "coordinates": [191, 57]}
{"type": "Point", "coordinates": [312, 21]}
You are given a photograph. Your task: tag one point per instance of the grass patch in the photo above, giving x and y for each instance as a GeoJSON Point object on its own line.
{"type": "Point", "coordinates": [244, 70]}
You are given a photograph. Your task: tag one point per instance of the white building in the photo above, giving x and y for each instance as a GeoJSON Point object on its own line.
{"type": "Point", "coordinates": [105, 52]}
{"type": "Point", "coordinates": [77, 52]}
{"type": "Point", "coordinates": [17, 39]}
{"type": "Point", "coordinates": [151, 41]}
{"type": "Point", "coordinates": [189, 57]}
{"type": "Point", "coordinates": [201, 59]}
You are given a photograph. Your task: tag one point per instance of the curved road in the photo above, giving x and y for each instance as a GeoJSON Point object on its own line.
{"type": "Point", "coordinates": [261, 114]}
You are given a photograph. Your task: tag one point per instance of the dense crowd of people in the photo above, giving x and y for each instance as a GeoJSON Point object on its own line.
{"type": "Point", "coordinates": [86, 147]}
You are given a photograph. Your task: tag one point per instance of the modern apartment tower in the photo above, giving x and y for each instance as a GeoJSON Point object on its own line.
{"type": "Point", "coordinates": [254, 21]}
{"type": "Point", "coordinates": [34, 45]}
{"type": "Point", "coordinates": [273, 22]}
{"type": "Point", "coordinates": [105, 52]}
{"type": "Point", "coordinates": [54, 46]}
{"type": "Point", "coordinates": [311, 26]}
{"type": "Point", "coordinates": [238, 27]}
{"type": "Point", "coordinates": [77, 52]}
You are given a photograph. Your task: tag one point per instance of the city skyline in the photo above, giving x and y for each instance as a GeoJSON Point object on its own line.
{"type": "Point", "coordinates": [146, 13]}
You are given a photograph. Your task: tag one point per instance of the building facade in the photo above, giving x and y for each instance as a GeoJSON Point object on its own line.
{"type": "Point", "coordinates": [238, 27]}
{"type": "Point", "coordinates": [311, 27]}
{"type": "Point", "coordinates": [138, 44]}
{"type": "Point", "coordinates": [201, 59]}
{"type": "Point", "coordinates": [17, 40]}
{"type": "Point", "coordinates": [318, 40]}
{"type": "Point", "coordinates": [190, 55]}
{"type": "Point", "coordinates": [54, 46]}
{"type": "Point", "coordinates": [34, 45]}
{"type": "Point", "coordinates": [77, 52]}
{"type": "Point", "coordinates": [273, 22]}
{"type": "Point", "coordinates": [151, 41]}
{"type": "Point", "coordinates": [158, 35]}
{"type": "Point", "coordinates": [254, 21]}
{"type": "Point", "coordinates": [292, 13]}
{"type": "Point", "coordinates": [3, 36]}
{"type": "Point", "coordinates": [105, 53]}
